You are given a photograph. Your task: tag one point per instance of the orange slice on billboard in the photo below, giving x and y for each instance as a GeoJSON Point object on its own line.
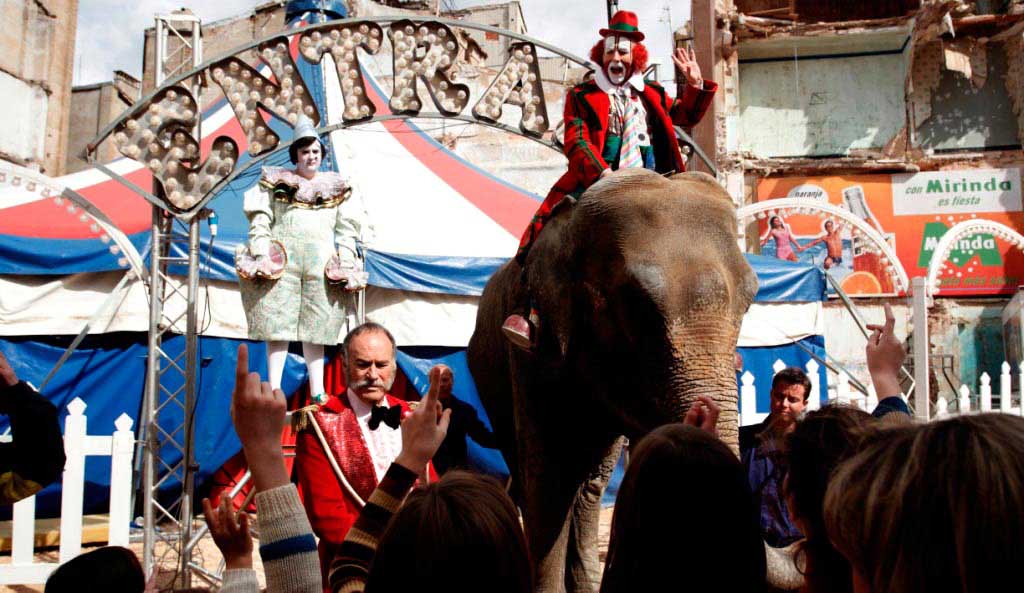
{"type": "Point", "coordinates": [861, 283]}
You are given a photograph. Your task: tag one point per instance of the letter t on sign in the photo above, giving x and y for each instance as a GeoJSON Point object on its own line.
{"type": "Point", "coordinates": [341, 41]}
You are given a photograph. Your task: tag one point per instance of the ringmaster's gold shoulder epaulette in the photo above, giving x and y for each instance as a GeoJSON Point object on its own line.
{"type": "Point", "coordinates": [302, 417]}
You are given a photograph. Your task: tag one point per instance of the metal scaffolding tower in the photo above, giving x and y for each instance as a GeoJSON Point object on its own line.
{"type": "Point", "coordinates": [169, 469]}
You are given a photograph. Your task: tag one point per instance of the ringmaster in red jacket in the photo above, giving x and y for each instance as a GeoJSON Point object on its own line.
{"type": "Point", "coordinates": [617, 120]}
{"type": "Point", "coordinates": [345, 446]}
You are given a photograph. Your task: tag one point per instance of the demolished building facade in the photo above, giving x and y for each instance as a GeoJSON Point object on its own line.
{"type": "Point", "coordinates": [841, 100]}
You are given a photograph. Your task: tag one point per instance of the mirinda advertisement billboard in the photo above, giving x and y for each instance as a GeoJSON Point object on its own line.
{"type": "Point", "coordinates": [912, 212]}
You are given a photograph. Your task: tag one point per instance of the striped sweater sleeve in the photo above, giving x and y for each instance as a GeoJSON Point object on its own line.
{"type": "Point", "coordinates": [240, 580]}
{"type": "Point", "coordinates": [351, 565]}
{"type": "Point", "coordinates": [287, 546]}
{"type": "Point", "coordinates": [892, 411]}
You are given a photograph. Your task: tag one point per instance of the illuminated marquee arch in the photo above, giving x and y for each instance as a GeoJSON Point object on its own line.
{"type": "Point", "coordinates": [158, 130]}
{"type": "Point", "coordinates": [859, 228]}
{"type": "Point", "coordinates": [961, 230]}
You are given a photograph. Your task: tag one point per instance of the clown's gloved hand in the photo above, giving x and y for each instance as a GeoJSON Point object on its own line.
{"type": "Point", "coordinates": [251, 265]}
{"type": "Point", "coordinates": [346, 272]}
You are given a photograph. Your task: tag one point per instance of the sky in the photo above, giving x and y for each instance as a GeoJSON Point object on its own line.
{"type": "Point", "coordinates": [98, 52]}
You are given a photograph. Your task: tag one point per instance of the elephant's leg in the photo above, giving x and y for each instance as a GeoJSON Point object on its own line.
{"type": "Point", "coordinates": [547, 519]}
{"type": "Point", "coordinates": [583, 573]}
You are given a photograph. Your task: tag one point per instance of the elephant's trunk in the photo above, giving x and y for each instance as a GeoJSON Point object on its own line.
{"type": "Point", "coordinates": [704, 364]}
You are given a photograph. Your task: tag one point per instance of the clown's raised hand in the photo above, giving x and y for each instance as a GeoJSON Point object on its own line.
{"type": "Point", "coordinates": [686, 64]}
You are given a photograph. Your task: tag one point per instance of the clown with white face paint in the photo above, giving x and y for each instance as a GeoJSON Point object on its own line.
{"type": "Point", "coordinates": [613, 121]}
{"type": "Point", "coordinates": [618, 59]}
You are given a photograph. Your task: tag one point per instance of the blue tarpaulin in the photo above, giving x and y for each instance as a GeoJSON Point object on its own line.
{"type": "Point", "coordinates": [108, 374]}
{"type": "Point", "coordinates": [416, 364]}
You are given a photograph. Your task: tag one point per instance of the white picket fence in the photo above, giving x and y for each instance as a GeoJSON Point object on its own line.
{"type": "Point", "coordinates": [966, 403]}
{"type": "Point", "coordinates": [844, 395]}
{"type": "Point", "coordinates": [77, 445]}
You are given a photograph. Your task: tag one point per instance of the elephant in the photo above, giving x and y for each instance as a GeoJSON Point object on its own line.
{"type": "Point", "coordinates": [641, 288]}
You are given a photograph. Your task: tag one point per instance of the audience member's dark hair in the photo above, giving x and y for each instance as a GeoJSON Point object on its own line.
{"type": "Point", "coordinates": [685, 518]}
{"type": "Point", "coordinates": [111, 570]}
{"type": "Point", "coordinates": [933, 508]}
{"type": "Point", "coordinates": [460, 535]}
{"type": "Point", "coordinates": [792, 376]}
{"type": "Point", "coordinates": [813, 450]}
{"type": "Point", "coordinates": [295, 147]}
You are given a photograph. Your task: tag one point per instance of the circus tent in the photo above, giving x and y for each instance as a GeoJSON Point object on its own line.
{"type": "Point", "coordinates": [442, 225]}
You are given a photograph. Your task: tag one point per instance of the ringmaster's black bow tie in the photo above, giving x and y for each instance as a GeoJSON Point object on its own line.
{"type": "Point", "coordinates": [391, 416]}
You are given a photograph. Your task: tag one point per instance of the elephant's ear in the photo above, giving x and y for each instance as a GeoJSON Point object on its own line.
{"type": "Point", "coordinates": [701, 185]}
{"type": "Point", "coordinates": [553, 298]}
{"type": "Point", "coordinates": [549, 276]}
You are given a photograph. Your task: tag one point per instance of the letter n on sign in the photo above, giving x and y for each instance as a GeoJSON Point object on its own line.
{"type": "Point", "coordinates": [245, 88]}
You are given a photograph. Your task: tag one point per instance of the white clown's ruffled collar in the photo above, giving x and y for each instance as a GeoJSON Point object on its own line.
{"type": "Point", "coordinates": [601, 78]}
{"type": "Point", "coordinates": [325, 185]}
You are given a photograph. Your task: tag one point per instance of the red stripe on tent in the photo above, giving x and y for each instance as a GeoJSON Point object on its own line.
{"type": "Point", "coordinates": [45, 219]}
{"type": "Point", "coordinates": [511, 209]}
{"type": "Point", "coordinates": [231, 129]}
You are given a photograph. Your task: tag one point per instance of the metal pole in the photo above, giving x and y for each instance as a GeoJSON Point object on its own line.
{"type": "Point", "coordinates": [613, 7]}
{"type": "Point", "coordinates": [191, 371]}
{"type": "Point", "coordinates": [149, 403]}
{"type": "Point", "coordinates": [919, 300]}
{"type": "Point", "coordinates": [161, 51]}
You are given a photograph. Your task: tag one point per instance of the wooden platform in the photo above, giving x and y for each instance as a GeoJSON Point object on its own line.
{"type": "Point", "coordinates": [94, 531]}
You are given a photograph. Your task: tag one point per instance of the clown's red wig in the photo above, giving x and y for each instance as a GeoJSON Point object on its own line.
{"type": "Point", "coordinates": [639, 55]}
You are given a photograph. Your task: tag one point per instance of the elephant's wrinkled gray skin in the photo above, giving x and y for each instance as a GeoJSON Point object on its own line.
{"type": "Point", "coordinates": [641, 288]}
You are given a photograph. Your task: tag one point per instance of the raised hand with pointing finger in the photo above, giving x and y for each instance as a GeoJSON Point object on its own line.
{"type": "Point", "coordinates": [424, 429]}
{"type": "Point", "coordinates": [885, 355]}
{"type": "Point", "coordinates": [258, 414]}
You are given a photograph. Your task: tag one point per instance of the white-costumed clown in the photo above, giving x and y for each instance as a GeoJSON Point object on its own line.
{"type": "Point", "coordinates": [301, 264]}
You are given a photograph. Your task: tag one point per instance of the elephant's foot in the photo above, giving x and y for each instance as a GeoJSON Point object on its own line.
{"type": "Point", "coordinates": [519, 330]}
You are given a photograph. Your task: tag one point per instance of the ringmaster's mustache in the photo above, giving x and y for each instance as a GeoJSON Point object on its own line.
{"type": "Point", "coordinates": [368, 383]}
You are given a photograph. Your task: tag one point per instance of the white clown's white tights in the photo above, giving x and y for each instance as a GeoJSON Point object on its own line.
{"type": "Point", "coordinates": [277, 354]}
{"type": "Point", "coordinates": [314, 355]}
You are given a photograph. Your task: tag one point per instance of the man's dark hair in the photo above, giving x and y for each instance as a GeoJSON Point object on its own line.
{"type": "Point", "coordinates": [365, 328]}
{"type": "Point", "coordinates": [792, 376]}
{"type": "Point", "coordinates": [112, 569]}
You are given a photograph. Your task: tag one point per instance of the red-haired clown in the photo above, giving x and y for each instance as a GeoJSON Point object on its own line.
{"type": "Point", "coordinates": [617, 120]}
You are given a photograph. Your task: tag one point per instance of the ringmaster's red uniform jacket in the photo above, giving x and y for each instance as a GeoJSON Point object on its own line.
{"type": "Point", "coordinates": [331, 509]}
{"type": "Point", "coordinates": [587, 109]}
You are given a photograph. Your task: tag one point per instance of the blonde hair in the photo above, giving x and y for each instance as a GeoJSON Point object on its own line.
{"type": "Point", "coordinates": [934, 507]}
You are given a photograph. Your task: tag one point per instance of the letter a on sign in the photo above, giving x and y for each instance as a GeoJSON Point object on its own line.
{"type": "Point", "coordinates": [519, 84]}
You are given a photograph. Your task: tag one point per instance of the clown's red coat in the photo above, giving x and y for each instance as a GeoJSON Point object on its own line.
{"type": "Point", "coordinates": [587, 108]}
